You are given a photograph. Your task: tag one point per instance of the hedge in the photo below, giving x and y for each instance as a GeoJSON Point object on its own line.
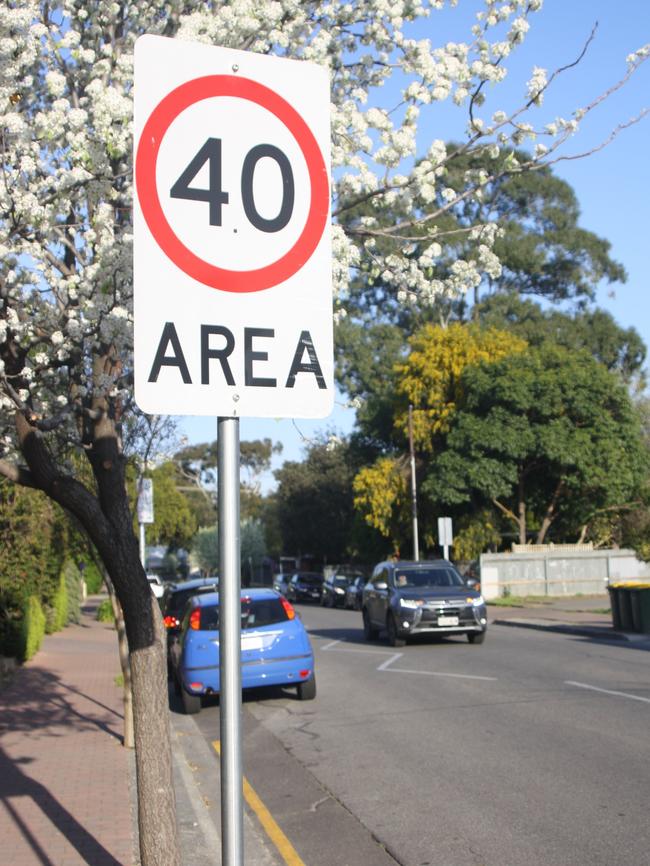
{"type": "Point", "coordinates": [72, 579]}
{"type": "Point", "coordinates": [33, 628]}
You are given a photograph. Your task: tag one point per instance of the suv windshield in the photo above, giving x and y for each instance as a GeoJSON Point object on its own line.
{"type": "Point", "coordinates": [254, 614]}
{"type": "Point", "coordinates": [421, 578]}
{"type": "Point", "coordinates": [341, 581]}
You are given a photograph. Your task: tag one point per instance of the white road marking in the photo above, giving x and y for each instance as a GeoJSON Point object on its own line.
{"type": "Point", "coordinates": [437, 674]}
{"type": "Point", "coordinates": [333, 646]}
{"type": "Point", "coordinates": [607, 691]}
{"type": "Point", "coordinates": [390, 661]}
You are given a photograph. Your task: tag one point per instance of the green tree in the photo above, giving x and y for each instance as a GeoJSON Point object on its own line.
{"type": "Point", "coordinates": [205, 548]}
{"type": "Point", "coordinates": [430, 379]}
{"type": "Point", "coordinates": [542, 248]}
{"type": "Point", "coordinates": [619, 349]}
{"type": "Point", "coordinates": [174, 522]}
{"type": "Point", "coordinates": [314, 502]}
{"type": "Point", "coordinates": [549, 437]}
{"type": "Point", "coordinates": [253, 548]}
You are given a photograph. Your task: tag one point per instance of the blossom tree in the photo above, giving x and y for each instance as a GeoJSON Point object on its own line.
{"type": "Point", "coordinates": [66, 79]}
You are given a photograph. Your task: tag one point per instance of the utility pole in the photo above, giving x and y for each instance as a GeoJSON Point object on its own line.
{"type": "Point", "coordinates": [414, 497]}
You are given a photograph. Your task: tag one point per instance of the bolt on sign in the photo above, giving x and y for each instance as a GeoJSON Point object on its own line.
{"type": "Point", "coordinates": [232, 248]}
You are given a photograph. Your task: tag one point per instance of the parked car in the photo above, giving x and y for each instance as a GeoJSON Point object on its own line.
{"type": "Point", "coordinates": [305, 586]}
{"type": "Point", "coordinates": [275, 647]}
{"type": "Point", "coordinates": [280, 583]}
{"type": "Point", "coordinates": [173, 601]}
{"type": "Point", "coordinates": [409, 598]}
{"type": "Point", "coordinates": [332, 592]}
{"type": "Point", "coordinates": [354, 592]}
{"type": "Point", "coordinates": [156, 584]}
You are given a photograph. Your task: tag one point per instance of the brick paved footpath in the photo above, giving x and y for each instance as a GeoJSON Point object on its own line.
{"type": "Point", "coordinates": [65, 795]}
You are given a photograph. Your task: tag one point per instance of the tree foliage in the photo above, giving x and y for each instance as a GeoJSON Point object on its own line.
{"type": "Point", "coordinates": [619, 349]}
{"type": "Point", "coordinates": [549, 437]}
{"type": "Point", "coordinates": [174, 522]}
{"type": "Point", "coordinates": [314, 503]}
{"type": "Point", "coordinates": [431, 377]}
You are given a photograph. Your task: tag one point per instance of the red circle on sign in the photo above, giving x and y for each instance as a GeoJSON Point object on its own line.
{"type": "Point", "coordinates": [145, 177]}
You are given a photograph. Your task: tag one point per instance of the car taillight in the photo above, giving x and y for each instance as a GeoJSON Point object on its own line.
{"type": "Point", "coordinates": [288, 608]}
{"type": "Point", "coordinates": [171, 622]}
{"type": "Point", "coordinates": [195, 619]}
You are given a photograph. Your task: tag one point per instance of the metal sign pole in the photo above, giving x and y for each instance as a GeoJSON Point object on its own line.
{"type": "Point", "coordinates": [232, 806]}
{"type": "Point", "coordinates": [414, 496]}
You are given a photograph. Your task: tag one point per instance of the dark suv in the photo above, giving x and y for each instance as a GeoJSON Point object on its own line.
{"type": "Point", "coordinates": [409, 598]}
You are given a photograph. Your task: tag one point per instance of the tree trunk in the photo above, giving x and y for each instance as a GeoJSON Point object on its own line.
{"type": "Point", "coordinates": [125, 664]}
{"type": "Point", "coordinates": [550, 512]}
{"type": "Point", "coordinates": [521, 510]}
{"type": "Point", "coordinates": [156, 799]}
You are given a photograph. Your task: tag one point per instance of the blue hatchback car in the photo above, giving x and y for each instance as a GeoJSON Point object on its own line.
{"type": "Point", "coordinates": [275, 648]}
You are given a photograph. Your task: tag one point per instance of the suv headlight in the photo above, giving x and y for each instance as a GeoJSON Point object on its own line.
{"type": "Point", "coordinates": [338, 590]}
{"type": "Point", "coordinates": [477, 602]}
{"type": "Point", "coordinates": [411, 603]}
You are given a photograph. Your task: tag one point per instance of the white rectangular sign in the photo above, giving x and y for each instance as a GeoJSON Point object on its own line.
{"type": "Point", "coordinates": [145, 500]}
{"type": "Point", "coordinates": [445, 534]}
{"type": "Point", "coordinates": [232, 248]}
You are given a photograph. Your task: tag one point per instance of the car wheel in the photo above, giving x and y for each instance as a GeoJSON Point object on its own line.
{"type": "Point", "coordinates": [307, 690]}
{"type": "Point", "coordinates": [191, 703]}
{"type": "Point", "coordinates": [476, 636]}
{"type": "Point", "coordinates": [369, 631]}
{"type": "Point", "coordinates": [393, 636]}
{"type": "Point", "coordinates": [177, 685]}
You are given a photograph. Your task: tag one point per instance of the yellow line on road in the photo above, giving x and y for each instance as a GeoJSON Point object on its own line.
{"type": "Point", "coordinates": [275, 834]}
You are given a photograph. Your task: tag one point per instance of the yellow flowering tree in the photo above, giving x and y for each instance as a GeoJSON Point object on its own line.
{"type": "Point", "coordinates": [430, 380]}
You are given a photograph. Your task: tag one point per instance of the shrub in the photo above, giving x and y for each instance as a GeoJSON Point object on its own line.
{"type": "Point", "coordinates": [56, 613]}
{"type": "Point", "coordinates": [105, 611]}
{"type": "Point", "coordinates": [93, 578]}
{"type": "Point", "coordinates": [33, 628]}
{"type": "Point", "coordinates": [72, 579]}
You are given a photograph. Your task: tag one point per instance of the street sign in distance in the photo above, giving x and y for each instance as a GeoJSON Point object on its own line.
{"type": "Point", "coordinates": [445, 535]}
{"type": "Point", "coordinates": [145, 500]}
{"type": "Point", "coordinates": [232, 250]}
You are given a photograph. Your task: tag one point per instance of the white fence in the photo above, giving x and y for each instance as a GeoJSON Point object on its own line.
{"type": "Point", "coordinates": [558, 571]}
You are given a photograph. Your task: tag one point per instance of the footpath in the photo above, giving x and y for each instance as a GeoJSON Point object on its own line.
{"type": "Point", "coordinates": [67, 784]}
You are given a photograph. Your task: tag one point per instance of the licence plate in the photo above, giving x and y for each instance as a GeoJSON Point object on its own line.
{"type": "Point", "coordinates": [447, 620]}
{"type": "Point", "coordinates": [251, 642]}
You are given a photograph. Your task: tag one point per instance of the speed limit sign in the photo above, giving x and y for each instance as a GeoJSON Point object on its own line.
{"type": "Point", "coordinates": [232, 251]}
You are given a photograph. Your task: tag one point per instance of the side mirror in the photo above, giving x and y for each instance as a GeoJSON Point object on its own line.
{"type": "Point", "coordinates": [473, 583]}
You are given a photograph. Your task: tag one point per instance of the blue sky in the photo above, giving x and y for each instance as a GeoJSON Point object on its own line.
{"type": "Point", "coordinates": [612, 186]}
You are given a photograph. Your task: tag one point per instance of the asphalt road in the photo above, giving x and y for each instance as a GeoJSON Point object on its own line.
{"type": "Point", "coordinates": [529, 750]}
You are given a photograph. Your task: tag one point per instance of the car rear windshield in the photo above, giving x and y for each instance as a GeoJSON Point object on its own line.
{"type": "Point", "coordinates": [310, 579]}
{"type": "Point", "coordinates": [177, 600]}
{"type": "Point", "coordinates": [254, 614]}
{"type": "Point", "coordinates": [421, 578]}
